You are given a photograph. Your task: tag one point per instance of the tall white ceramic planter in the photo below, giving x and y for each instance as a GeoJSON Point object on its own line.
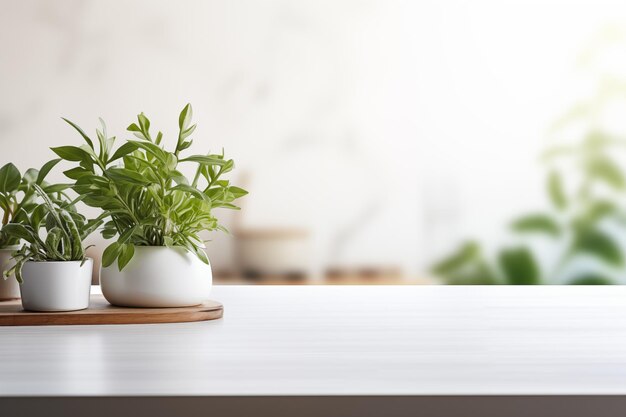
{"type": "Point", "coordinates": [9, 287]}
{"type": "Point", "coordinates": [56, 286]}
{"type": "Point", "coordinates": [157, 276]}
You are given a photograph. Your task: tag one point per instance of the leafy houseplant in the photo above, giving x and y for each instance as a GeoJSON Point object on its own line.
{"type": "Point", "coordinates": [65, 231]}
{"type": "Point", "coordinates": [585, 223]}
{"type": "Point", "coordinates": [17, 200]}
{"type": "Point", "coordinates": [53, 271]}
{"type": "Point", "coordinates": [150, 203]}
{"type": "Point", "coordinates": [581, 225]}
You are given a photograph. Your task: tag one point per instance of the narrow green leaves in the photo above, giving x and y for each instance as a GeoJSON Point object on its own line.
{"type": "Point", "coordinates": [142, 128]}
{"type": "Point", "coordinates": [148, 200]}
{"type": "Point", "coordinates": [205, 160]}
{"type": "Point", "coordinates": [80, 131]}
{"type": "Point", "coordinates": [127, 176]}
{"type": "Point", "coordinates": [152, 149]}
{"type": "Point", "coordinates": [191, 190]}
{"type": "Point", "coordinates": [20, 231]}
{"type": "Point", "coordinates": [122, 151]}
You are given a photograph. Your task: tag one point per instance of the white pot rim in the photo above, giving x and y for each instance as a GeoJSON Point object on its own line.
{"type": "Point", "coordinates": [60, 262]}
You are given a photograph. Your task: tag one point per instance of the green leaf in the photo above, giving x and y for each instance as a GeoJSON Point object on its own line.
{"type": "Point", "coordinates": [152, 149]}
{"type": "Point", "coordinates": [109, 230]}
{"type": "Point", "coordinates": [187, 132]}
{"type": "Point", "coordinates": [191, 190]}
{"type": "Point", "coordinates": [127, 234]}
{"type": "Point", "coordinates": [79, 130]}
{"type": "Point", "coordinates": [45, 169]}
{"type": "Point", "coordinates": [185, 145]}
{"type": "Point", "coordinates": [55, 188]}
{"type": "Point", "coordinates": [19, 231]}
{"type": "Point", "coordinates": [598, 244]}
{"type": "Point", "coordinates": [126, 254]}
{"type": "Point", "coordinates": [10, 178]}
{"type": "Point", "coordinates": [178, 177]}
{"type": "Point", "coordinates": [595, 212]}
{"type": "Point", "coordinates": [110, 254]}
{"type": "Point", "coordinates": [30, 176]}
{"type": "Point", "coordinates": [123, 150]}
{"type": "Point", "coordinates": [555, 190]}
{"type": "Point", "coordinates": [38, 215]}
{"type": "Point", "coordinates": [540, 223]}
{"type": "Point", "coordinates": [144, 123]}
{"type": "Point", "coordinates": [237, 192]}
{"type": "Point", "coordinates": [605, 169]}
{"type": "Point", "coordinates": [171, 161]}
{"type": "Point", "coordinates": [468, 252]}
{"type": "Point", "coordinates": [127, 176]}
{"type": "Point", "coordinates": [52, 243]}
{"type": "Point", "coordinates": [519, 266]}
{"type": "Point", "coordinates": [72, 153]}
{"type": "Point", "coordinates": [184, 119]}
{"type": "Point", "coordinates": [591, 279]}
{"type": "Point", "coordinates": [76, 173]}
{"type": "Point", "coordinates": [204, 160]}
{"type": "Point", "coordinates": [89, 228]}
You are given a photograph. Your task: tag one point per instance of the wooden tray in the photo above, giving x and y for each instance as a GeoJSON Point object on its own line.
{"type": "Point", "coordinates": [101, 312]}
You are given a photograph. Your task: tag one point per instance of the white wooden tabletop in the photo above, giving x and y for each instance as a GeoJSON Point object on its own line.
{"type": "Point", "coordinates": [312, 351]}
{"type": "Point", "coordinates": [341, 340]}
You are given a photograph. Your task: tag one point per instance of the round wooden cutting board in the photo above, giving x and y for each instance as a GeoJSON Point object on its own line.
{"type": "Point", "coordinates": [101, 312]}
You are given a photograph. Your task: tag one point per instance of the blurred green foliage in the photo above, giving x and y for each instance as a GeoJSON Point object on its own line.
{"type": "Point", "coordinates": [580, 237]}
{"type": "Point", "coordinates": [582, 225]}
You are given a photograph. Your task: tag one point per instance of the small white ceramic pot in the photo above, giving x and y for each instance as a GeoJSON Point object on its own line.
{"type": "Point", "coordinates": [9, 287]}
{"type": "Point", "coordinates": [56, 285]}
{"type": "Point", "coordinates": [157, 276]}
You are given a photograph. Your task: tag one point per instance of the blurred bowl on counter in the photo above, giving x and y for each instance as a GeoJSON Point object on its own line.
{"type": "Point", "coordinates": [273, 252]}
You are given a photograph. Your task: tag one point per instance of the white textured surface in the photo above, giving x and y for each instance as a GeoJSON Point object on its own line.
{"type": "Point", "coordinates": [341, 340]}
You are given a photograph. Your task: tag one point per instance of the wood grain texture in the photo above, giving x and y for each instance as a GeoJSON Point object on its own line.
{"type": "Point", "coordinates": [101, 312]}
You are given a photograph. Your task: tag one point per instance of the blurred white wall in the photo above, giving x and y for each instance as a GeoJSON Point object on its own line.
{"type": "Point", "coordinates": [398, 126]}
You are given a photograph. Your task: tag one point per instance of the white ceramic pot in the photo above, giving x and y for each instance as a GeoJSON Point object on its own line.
{"type": "Point", "coordinates": [56, 285]}
{"type": "Point", "coordinates": [9, 287]}
{"type": "Point", "coordinates": [157, 276]}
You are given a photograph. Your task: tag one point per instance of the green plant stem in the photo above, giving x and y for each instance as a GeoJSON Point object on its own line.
{"type": "Point", "coordinates": [196, 177]}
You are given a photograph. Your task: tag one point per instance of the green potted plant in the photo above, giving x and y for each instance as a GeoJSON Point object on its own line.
{"type": "Point", "coordinates": [17, 199]}
{"type": "Point", "coordinates": [52, 269]}
{"type": "Point", "coordinates": [154, 212]}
